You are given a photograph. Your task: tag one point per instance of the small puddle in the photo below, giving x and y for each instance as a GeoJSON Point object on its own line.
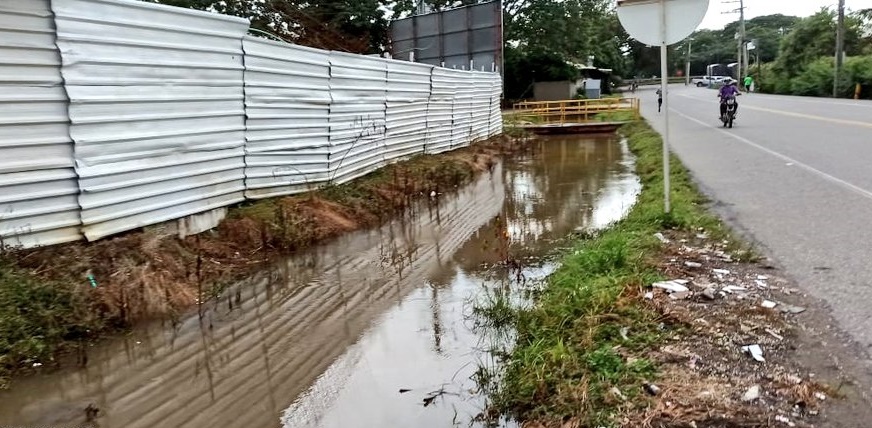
{"type": "Point", "coordinates": [371, 330]}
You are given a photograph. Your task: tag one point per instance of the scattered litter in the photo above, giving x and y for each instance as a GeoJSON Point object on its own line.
{"type": "Point", "coordinates": [617, 393]}
{"type": "Point", "coordinates": [624, 332]}
{"type": "Point", "coordinates": [404, 390]}
{"type": "Point", "coordinates": [789, 309]}
{"type": "Point", "coordinates": [701, 236]}
{"type": "Point", "coordinates": [734, 288]}
{"type": "Point", "coordinates": [651, 389]}
{"type": "Point", "coordinates": [693, 265]}
{"type": "Point", "coordinates": [92, 281]}
{"type": "Point", "coordinates": [761, 284]}
{"type": "Point", "coordinates": [709, 293]}
{"type": "Point", "coordinates": [649, 296]}
{"type": "Point", "coordinates": [662, 238]}
{"type": "Point", "coordinates": [820, 396]}
{"type": "Point", "coordinates": [432, 193]}
{"type": "Point", "coordinates": [37, 364]}
{"type": "Point", "coordinates": [721, 271]}
{"type": "Point", "coordinates": [768, 304]}
{"type": "Point", "coordinates": [783, 419]}
{"type": "Point", "coordinates": [671, 286]}
{"type": "Point", "coordinates": [762, 277]}
{"type": "Point", "coordinates": [756, 352]}
{"type": "Point", "coordinates": [774, 334]}
{"type": "Point", "coordinates": [751, 394]}
{"type": "Point", "coordinates": [680, 295]}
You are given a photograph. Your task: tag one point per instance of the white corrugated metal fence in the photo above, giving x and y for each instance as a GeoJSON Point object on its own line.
{"type": "Point", "coordinates": [117, 114]}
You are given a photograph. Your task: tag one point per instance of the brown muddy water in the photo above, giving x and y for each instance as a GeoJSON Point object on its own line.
{"type": "Point", "coordinates": [361, 332]}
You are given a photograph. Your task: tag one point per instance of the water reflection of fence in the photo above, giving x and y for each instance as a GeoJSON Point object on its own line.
{"type": "Point", "coordinates": [266, 340]}
{"type": "Point", "coordinates": [572, 111]}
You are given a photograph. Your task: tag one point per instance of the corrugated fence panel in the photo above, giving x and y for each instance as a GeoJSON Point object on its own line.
{"type": "Point", "coordinates": [408, 95]}
{"type": "Point", "coordinates": [481, 106]}
{"type": "Point", "coordinates": [440, 111]}
{"type": "Point", "coordinates": [358, 86]}
{"type": "Point", "coordinates": [156, 104]}
{"type": "Point", "coordinates": [461, 131]}
{"type": "Point", "coordinates": [496, 115]}
{"type": "Point", "coordinates": [38, 188]}
{"type": "Point", "coordinates": [287, 105]}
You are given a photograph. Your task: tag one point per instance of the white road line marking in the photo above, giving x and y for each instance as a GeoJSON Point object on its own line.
{"type": "Point", "coordinates": [852, 187]}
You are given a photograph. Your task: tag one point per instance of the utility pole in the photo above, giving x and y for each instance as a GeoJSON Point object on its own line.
{"type": "Point", "coordinates": [840, 47]}
{"type": "Point", "coordinates": [742, 56]}
{"type": "Point", "coordinates": [687, 70]}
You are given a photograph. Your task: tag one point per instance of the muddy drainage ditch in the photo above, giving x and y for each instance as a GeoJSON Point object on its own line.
{"type": "Point", "coordinates": [373, 329]}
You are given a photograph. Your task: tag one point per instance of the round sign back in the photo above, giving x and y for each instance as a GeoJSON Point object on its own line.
{"type": "Point", "coordinates": [643, 19]}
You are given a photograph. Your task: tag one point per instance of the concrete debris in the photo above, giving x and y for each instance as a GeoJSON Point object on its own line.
{"type": "Point", "coordinates": [693, 265]}
{"type": "Point", "coordinates": [721, 271]}
{"type": "Point", "coordinates": [37, 364]}
{"type": "Point", "coordinates": [649, 296]}
{"type": "Point", "coordinates": [709, 293]}
{"type": "Point", "coordinates": [671, 286]}
{"type": "Point", "coordinates": [820, 396]}
{"type": "Point", "coordinates": [768, 304]}
{"type": "Point", "coordinates": [734, 289]}
{"type": "Point", "coordinates": [790, 309]}
{"type": "Point", "coordinates": [761, 284]}
{"type": "Point", "coordinates": [762, 277]}
{"type": "Point", "coordinates": [751, 394]}
{"type": "Point", "coordinates": [661, 238]}
{"type": "Point", "coordinates": [701, 236]}
{"type": "Point", "coordinates": [756, 352]}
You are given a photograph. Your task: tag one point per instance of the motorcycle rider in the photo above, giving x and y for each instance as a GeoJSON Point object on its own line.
{"type": "Point", "coordinates": [728, 90]}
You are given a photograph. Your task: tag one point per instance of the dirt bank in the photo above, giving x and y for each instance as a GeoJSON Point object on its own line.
{"type": "Point", "coordinates": [59, 298]}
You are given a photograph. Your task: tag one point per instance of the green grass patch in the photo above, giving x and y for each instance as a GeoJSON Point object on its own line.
{"type": "Point", "coordinates": [616, 116]}
{"type": "Point", "coordinates": [38, 318]}
{"type": "Point", "coordinates": [588, 331]}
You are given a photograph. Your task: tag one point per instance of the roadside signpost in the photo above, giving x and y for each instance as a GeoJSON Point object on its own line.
{"type": "Point", "coordinates": [662, 23]}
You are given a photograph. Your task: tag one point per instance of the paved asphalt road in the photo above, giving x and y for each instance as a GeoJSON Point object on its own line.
{"type": "Point", "coordinates": [796, 174]}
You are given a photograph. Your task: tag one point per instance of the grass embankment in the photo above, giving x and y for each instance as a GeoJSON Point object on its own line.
{"type": "Point", "coordinates": [48, 302]}
{"type": "Point", "coordinates": [588, 333]}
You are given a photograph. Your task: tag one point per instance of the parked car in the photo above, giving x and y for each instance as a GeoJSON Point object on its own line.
{"type": "Point", "coordinates": [708, 80]}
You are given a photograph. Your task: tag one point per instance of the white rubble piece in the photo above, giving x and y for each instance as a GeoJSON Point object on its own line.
{"type": "Point", "coordinates": [751, 394]}
{"type": "Point", "coordinates": [671, 286]}
{"type": "Point", "coordinates": [756, 352]}
{"type": "Point", "coordinates": [734, 289]}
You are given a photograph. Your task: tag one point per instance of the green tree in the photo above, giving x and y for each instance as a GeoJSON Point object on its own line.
{"type": "Point", "coordinates": [358, 26]}
{"type": "Point", "coordinates": [815, 37]}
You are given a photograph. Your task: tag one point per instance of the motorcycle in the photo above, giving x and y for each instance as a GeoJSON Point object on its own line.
{"type": "Point", "coordinates": [730, 112]}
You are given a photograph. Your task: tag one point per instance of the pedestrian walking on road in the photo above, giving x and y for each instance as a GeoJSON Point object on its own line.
{"type": "Point", "coordinates": [659, 99]}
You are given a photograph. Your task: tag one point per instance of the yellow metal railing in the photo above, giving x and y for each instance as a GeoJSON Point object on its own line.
{"type": "Point", "coordinates": [573, 111]}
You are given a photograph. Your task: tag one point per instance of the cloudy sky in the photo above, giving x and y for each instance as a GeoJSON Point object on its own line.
{"type": "Point", "coordinates": [716, 20]}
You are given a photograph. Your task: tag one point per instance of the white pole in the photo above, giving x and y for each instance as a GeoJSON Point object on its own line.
{"type": "Point", "coordinates": [664, 71]}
